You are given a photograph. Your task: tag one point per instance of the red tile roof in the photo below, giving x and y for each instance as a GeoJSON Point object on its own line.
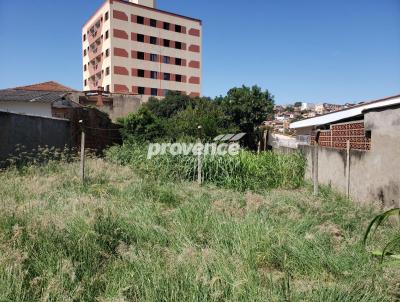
{"type": "Point", "coordinates": [46, 86]}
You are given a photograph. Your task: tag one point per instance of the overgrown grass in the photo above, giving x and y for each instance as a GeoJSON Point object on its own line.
{"type": "Point", "coordinates": [245, 171]}
{"type": "Point", "coordinates": [121, 237]}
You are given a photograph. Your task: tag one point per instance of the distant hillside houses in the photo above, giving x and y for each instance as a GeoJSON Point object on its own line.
{"type": "Point", "coordinates": [286, 114]}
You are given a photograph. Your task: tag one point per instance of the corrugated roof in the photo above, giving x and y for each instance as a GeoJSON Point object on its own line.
{"type": "Point", "coordinates": [46, 86]}
{"type": "Point", "coordinates": [13, 95]}
{"type": "Point", "coordinates": [345, 113]}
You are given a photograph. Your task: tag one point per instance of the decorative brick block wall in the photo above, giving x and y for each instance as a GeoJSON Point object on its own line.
{"type": "Point", "coordinates": [339, 134]}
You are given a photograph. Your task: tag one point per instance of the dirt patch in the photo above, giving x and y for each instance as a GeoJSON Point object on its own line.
{"type": "Point", "coordinates": [228, 207]}
{"type": "Point", "coordinates": [334, 231]}
{"type": "Point", "coordinates": [254, 201]}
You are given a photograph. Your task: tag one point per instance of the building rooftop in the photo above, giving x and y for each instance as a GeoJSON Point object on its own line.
{"type": "Point", "coordinates": [58, 99]}
{"type": "Point", "coordinates": [46, 86]}
{"type": "Point", "coordinates": [145, 7]}
{"type": "Point", "coordinates": [346, 113]}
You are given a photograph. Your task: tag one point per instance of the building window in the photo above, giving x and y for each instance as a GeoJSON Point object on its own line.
{"type": "Point", "coordinates": [153, 57]}
{"type": "Point", "coordinates": [153, 23]}
{"type": "Point", "coordinates": [178, 28]}
{"type": "Point", "coordinates": [85, 83]}
{"type": "Point", "coordinates": [178, 61]}
{"type": "Point", "coordinates": [165, 92]}
{"type": "Point", "coordinates": [154, 91]}
{"type": "Point", "coordinates": [107, 71]}
{"type": "Point", "coordinates": [153, 40]}
{"type": "Point", "coordinates": [167, 76]}
{"type": "Point", "coordinates": [84, 52]}
{"type": "Point", "coordinates": [154, 74]}
{"type": "Point", "coordinates": [140, 38]}
{"type": "Point", "coordinates": [166, 43]}
{"type": "Point", "coordinates": [166, 26]}
{"type": "Point", "coordinates": [140, 19]}
{"type": "Point", "coordinates": [166, 60]}
{"type": "Point", "coordinates": [178, 78]}
{"type": "Point", "coordinates": [178, 45]}
{"type": "Point", "coordinates": [108, 88]}
{"type": "Point", "coordinates": [140, 55]}
{"type": "Point", "coordinates": [107, 53]}
{"type": "Point", "coordinates": [140, 73]}
{"type": "Point", "coordinates": [107, 34]}
{"type": "Point", "coordinates": [84, 67]}
{"type": "Point", "coordinates": [140, 90]}
{"type": "Point", "coordinates": [106, 16]}
{"type": "Point", "coordinates": [84, 37]}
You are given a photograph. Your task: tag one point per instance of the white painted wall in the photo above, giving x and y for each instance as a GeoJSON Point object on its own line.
{"type": "Point", "coordinates": [35, 108]}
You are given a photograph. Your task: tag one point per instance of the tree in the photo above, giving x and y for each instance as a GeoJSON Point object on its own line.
{"type": "Point", "coordinates": [170, 105]}
{"type": "Point", "coordinates": [209, 115]}
{"type": "Point", "coordinates": [297, 104]}
{"type": "Point", "coordinates": [248, 108]}
{"type": "Point", "coordinates": [142, 125]}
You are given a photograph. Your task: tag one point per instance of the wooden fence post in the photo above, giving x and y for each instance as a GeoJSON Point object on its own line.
{"type": "Point", "coordinates": [348, 169]}
{"type": "Point", "coordinates": [82, 170]}
{"type": "Point", "coordinates": [199, 160]}
{"type": "Point", "coordinates": [315, 166]}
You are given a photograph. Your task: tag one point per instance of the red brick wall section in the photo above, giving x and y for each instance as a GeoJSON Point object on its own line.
{"type": "Point", "coordinates": [194, 64]}
{"type": "Point", "coordinates": [339, 134]}
{"type": "Point", "coordinates": [121, 70]}
{"type": "Point", "coordinates": [194, 80]}
{"type": "Point", "coordinates": [120, 88]}
{"type": "Point", "coordinates": [194, 48]}
{"type": "Point", "coordinates": [194, 94]}
{"type": "Point", "coordinates": [120, 34]}
{"type": "Point", "coordinates": [120, 15]}
{"type": "Point", "coordinates": [120, 52]}
{"type": "Point", "coordinates": [194, 32]}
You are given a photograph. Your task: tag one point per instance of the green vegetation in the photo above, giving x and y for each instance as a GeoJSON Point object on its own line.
{"type": "Point", "coordinates": [391, 247]}
{"type": "Point", "coordinates": [125, 237]}
{"type": "Point", "coordinates": [177, 117]}
{"type": "Point", "coordinates": [245, 171]}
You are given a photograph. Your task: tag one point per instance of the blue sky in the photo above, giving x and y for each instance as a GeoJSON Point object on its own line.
{"type": "Point", "coordinates": [300, 50]}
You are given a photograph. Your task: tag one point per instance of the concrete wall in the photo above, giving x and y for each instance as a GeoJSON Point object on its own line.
{"type": "Point", "coordinates": [374, 174]}
{"type": "Point", "coordinates": [36, 108]}
{"type": "Point", "coordinates": [115, 105]}
{"type": "Point", "coordinates": [31, 132]}
{"type": "Point", "coordinates": [123, 105]}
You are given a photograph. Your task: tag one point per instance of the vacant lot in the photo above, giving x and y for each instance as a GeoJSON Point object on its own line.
{"type": "Point", "coordinates": [121, 237]}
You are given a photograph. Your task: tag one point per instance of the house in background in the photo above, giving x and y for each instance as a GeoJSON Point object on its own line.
{"type": "Point", "coordinates": [358, 150]}
{"type": "Point", "coordinates": [49, 99]}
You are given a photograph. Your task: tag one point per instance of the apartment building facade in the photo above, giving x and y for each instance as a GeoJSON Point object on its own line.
{"type": "Point", "coordinates": [134, 48]}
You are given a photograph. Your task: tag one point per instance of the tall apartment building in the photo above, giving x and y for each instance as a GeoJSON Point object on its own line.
{"type": "Point", "coordinates": [133, 47]}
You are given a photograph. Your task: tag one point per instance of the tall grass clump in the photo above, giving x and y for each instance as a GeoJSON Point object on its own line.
{"type": "Point", "coordinates": [22, 157]}
{"type": "Point", "coordinates": [247, 170]}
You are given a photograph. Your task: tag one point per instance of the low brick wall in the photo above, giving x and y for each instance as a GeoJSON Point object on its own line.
{"type": "Point", "coordinates": [339, 134]}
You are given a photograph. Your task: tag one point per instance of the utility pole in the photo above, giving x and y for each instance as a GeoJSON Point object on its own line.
{"type": "Point", "coordinates": [82, 170]}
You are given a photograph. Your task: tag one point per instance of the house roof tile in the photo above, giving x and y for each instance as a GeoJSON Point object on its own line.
{"type": "Point", "coordinates": [46, 86]}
